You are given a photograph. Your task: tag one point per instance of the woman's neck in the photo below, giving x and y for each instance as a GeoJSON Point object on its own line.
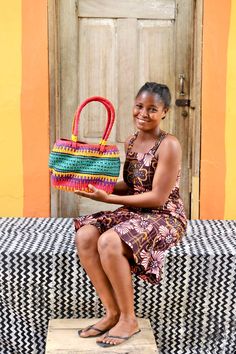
{"type": "Point", "coordinates": [152, 135]}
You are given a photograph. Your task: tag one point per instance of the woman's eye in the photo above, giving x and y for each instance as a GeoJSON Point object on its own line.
{"type": "Point", "coordinates": [153, 110]}
{"type": "Point", "coordinates": [138, 106]}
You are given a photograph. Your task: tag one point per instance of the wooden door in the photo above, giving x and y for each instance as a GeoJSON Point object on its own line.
{"type": "Point", "coordinates": [111, 48]}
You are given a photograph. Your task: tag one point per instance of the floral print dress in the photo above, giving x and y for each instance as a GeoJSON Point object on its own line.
{"type": "Point", "coordinates": [148, 232]}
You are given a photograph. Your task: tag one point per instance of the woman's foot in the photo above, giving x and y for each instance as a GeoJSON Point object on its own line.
{"type": "Point", "coordinates": [99, 327]}
{"type": "Point", "coordinates": [125, 328]}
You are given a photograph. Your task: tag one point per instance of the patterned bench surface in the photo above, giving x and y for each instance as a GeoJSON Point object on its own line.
{"type": "Point", "coordinates": [192, 310]}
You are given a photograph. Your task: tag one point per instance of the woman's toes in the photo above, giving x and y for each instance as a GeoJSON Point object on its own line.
{"type": "Point", "coordinates": [101, 339]}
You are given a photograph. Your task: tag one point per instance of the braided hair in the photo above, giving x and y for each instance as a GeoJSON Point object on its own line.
{"type": "Point", "coordinates": [157, 89]}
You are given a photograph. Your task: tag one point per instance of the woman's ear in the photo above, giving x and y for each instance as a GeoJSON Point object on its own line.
{"type": "Point", "coordinates": [165, 110]}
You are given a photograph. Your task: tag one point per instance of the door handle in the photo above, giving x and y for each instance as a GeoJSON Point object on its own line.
{"type": "Point", "coordinates": [181, 84]}
{"type": "Point", "coordinates": [182, 102]}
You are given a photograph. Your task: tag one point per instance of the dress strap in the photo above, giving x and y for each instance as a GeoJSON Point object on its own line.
{"type": "Point", "coordinates": [156, 146]}
{"type": "Point", "coordinates": [131, 142]}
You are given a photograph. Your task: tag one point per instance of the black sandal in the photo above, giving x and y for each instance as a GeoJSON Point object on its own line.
{"type": "Point", "coordinates": [94, 328]}
{"type": "Point", "coordinates": [106, 345]}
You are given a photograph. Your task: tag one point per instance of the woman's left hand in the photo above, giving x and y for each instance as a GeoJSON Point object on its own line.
{"type": "Point", "coordinates": [96, 194]}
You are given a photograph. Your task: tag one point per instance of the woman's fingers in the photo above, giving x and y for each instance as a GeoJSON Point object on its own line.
{"type": "Point", "coordinates": [95, 194]}
{"type": "Point", "coordinates": [94, 189]}
{"type": "Point", "coordinates": [83, 194]}
{"type": "Point", "coordinates": [90, 195]}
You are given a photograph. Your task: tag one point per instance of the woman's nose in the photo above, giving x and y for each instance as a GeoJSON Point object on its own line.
{"type": "Point", "coordinates": [144, 112]}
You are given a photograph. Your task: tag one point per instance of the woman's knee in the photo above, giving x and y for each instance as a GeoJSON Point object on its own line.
{"type": "Point", "coordinates": [86, 238]}
{"type": "Point", "coordinates": [109, 243]}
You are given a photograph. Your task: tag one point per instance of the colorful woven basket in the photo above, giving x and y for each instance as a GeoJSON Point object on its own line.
{"type": "Point", "coordinates": [73, 164]}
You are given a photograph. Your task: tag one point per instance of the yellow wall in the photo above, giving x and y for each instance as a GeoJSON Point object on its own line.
{"type": "Point", "coordinates": [11, 176]}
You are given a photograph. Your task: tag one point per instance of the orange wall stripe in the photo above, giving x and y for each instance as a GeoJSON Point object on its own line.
{"type": "Point", "coordinates": [35, 108]}
{"type": "Point", "coordinates": [215, 41]}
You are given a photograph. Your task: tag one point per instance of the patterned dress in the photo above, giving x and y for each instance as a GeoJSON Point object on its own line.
{"type": "Point", "coordinates": [148, 232]}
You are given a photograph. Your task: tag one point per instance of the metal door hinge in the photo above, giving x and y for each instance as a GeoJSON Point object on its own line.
{"type": "Point", "coordinates": [182, 102]}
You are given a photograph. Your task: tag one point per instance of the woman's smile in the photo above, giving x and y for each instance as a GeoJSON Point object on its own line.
{"type": "Point", "coordinates": [143, 120]}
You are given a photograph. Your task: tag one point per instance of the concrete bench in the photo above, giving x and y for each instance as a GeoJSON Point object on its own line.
{"type": "Point", "coordinates": [192, 310]}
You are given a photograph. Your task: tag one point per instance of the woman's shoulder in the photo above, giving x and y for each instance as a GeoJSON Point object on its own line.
{"type": "Point", "coordinates": [170, 144]}
{"type": "Point", "coordinates": [170, 140]}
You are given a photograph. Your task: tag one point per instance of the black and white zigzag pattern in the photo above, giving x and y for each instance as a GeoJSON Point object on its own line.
{"type": "Point", "coordinates": [192, 310]}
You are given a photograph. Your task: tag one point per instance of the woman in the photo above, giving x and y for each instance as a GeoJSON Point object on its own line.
{"type": "Point", "coordinates": [134, 237]}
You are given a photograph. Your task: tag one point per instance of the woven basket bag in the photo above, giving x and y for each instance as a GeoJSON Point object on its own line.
{"type": "Point", "coordinates": [73, 164]}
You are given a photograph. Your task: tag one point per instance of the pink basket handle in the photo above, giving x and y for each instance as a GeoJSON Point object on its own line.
{"type": "Point", "coordinates": [110, 119]}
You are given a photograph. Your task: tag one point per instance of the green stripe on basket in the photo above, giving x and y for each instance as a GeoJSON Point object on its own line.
{"type": "Point", "coordinates": [88, 165]}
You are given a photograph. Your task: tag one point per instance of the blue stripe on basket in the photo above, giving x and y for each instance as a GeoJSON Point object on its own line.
{"type": "Point", "coordinates": [88, 165]}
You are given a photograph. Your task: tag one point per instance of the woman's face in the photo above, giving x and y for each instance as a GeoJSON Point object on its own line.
{"type": "Point", "coordinates": [148, 111]}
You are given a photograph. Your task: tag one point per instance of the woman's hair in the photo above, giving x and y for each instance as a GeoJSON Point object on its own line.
{"type": "Point", "coordinates": [157, 89]}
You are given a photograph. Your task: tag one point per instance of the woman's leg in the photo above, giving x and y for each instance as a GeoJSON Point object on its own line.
{"type": "Point", "coordinates": [114, 255]}
{"type": "Point", "coordinates": [86, 243]}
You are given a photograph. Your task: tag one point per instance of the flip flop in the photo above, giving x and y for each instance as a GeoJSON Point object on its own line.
{"type": "Point", "coordinates": [106, 345]}
{"type": "Point", "coordinates": [94, 328]}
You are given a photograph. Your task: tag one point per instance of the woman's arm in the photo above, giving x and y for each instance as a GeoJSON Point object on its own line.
{"type": "Point", "coordinates": [163, 182]}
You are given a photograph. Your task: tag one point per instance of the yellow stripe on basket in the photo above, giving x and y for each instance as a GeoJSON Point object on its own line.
{"type": "Point", "coordinates": [84, 153]}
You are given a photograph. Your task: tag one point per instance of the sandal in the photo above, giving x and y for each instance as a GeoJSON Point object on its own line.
{"type": "Point", "coordinates": [106, 345]}
{"type": "Point", "coordinates": [94, 328]}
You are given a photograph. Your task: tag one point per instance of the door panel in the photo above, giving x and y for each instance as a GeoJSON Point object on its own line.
{"type": "Point", "coordinates": [156, 60]}
{"type": "Point", "coordinates": [115, 50]}
{"type": "Point", "coordinates": [96, 72]}
{"type": "Point", "coordinates": [164, 9]}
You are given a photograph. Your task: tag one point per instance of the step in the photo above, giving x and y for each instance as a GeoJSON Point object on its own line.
{"type": "Point", "coordinates": [63, 338]}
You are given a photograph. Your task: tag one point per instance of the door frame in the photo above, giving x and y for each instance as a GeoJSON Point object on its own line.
{"type": "Point", "coordinates": [196, 108]}
{"type": "Point", "coordinates": [195, 96]}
